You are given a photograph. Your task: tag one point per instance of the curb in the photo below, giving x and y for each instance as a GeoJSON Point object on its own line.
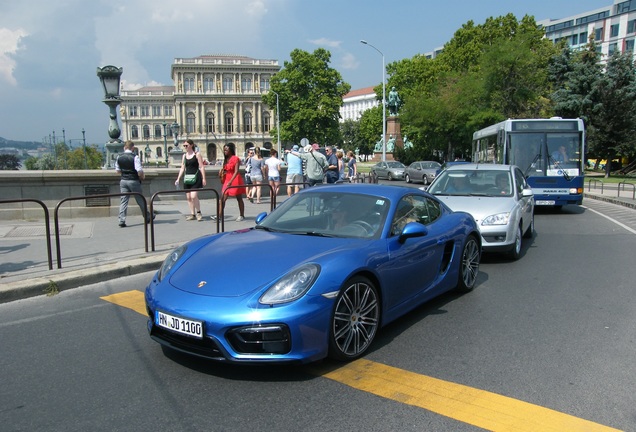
{"type": "Point", "coordinates": [612, 200]}
{"type": "Point", "coordinates": [40, 285]}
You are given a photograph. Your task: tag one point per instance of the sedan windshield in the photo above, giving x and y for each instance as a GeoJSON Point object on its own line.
{"type": "Point", "coordinates": [329, 214]}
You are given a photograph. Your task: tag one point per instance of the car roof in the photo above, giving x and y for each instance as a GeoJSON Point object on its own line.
{"type": "Point", "coordinates": [477, 166]}
{"type": "Point", "coordinates": [386, 191]}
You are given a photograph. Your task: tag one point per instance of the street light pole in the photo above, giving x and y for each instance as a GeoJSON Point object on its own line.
{"type": "Point", "coordinates": [165, 142]}
{"type": "Point", "coordinates": [277, 121]}
{"type": "Point", "coordinates": [383, 100]}
{"type": "Point", "coordinates": [84, 146]}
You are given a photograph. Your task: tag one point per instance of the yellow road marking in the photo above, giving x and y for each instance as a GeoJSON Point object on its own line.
{"type": "Point", "coordinates": [130, 299]}
{"type": "Point", "coordinates": [469, 405]}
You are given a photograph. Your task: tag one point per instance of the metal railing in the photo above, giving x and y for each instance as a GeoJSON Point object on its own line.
{"type": "Point", "coordinates": [83, 197]}
{"type": "Point", "coordinates": [46, 224]}
{"type": "Point", "coordinates": [176, 192]}
{"type": "Point", "coordinates": [589, 184]}
{"type": "Point", "coordinates": [623, 184]}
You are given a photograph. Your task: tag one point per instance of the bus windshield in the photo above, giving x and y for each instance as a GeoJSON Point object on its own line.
{"type": "Point", "coordinates": [546, 154]}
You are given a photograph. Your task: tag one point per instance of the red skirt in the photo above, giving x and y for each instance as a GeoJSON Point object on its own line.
{"type": "Point", "coordinates": [238, 181]}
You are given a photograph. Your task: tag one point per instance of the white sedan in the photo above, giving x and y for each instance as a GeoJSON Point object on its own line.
{"type": "Point", "coordinates": [497, 196]}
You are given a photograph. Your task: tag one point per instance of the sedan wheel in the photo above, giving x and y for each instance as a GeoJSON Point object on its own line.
{"type": "Point", "coordinates": [515, 253]}
{"type": "Point", "coordinates": [469, 266]}
{"type": "Point", "coordinates": [355, 320]}
{"type": "Point", "coordinates": [407, 178]}
{"type": "Point", "coordinates": [390, 176]}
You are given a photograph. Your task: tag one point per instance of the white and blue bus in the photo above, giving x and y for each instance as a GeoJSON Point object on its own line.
{"type": "Point", "coordinates": [550, 152]}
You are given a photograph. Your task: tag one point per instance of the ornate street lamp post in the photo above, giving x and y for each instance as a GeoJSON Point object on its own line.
{"type": "Point", "coordinates": [110, 77]}
{"type": "Point", "coordinates": [277, 122]}
{"type": "Point", "coordinates": [383, 100]}
{"type": "Point", "coordinates": [175, 133]}
{"type": "Point", "coordinates": [165, 142]}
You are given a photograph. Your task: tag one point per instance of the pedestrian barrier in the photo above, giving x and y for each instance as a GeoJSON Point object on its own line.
{"type": "Point", "coordinates": [625, 184]}
{"type": "Point", "coordinates": [57, 224]}
{"type": "Point", "coordinates": [589, 184]}
{"type": "Point", "coordinates": [46, 224]}
{"type": "Point", "coordinates": [272, 205]}
{"type": "Point", "coordinates": [176, 192]}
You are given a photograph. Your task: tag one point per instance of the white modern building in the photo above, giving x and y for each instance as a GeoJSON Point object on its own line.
{"type": "Point", "coordinates": [356, 102]}
{"type": "Point", "coordinates": [215, 99]}
{"type": "Point", "coordinates": [613, 28]}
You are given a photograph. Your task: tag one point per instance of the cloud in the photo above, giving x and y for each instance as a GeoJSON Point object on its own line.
{"type": "Point", "coordinates": [326, 42]}
{"type": "Point", "coordinates": [9, 44]}
{"type": "Point", "coordinates": [349, 61]}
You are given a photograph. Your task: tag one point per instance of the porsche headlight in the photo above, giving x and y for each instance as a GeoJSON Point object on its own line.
{"type": "Point", "coordinates": [170, 261]}
{"type": "Point", "coordinates": [291, 286]}
{"type": "Point", "coordinates": [497, 219]}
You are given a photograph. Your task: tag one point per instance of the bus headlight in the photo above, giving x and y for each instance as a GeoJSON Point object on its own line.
{"type": "Point", "coordinates": [575, 191]}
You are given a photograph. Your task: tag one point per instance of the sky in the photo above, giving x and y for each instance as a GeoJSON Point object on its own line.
{"type": "Point", "coordinates": [50, 50]}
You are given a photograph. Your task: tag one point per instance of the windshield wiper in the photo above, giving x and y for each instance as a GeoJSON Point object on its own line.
{"type": "Point", "coordinates": [554, 163]}
{"type": "Point", "coordinates": [534, 161]}
{"type": "Point", "coordinates": [314, 234]}
{"type": "Point", "coordinates": [264, 228]}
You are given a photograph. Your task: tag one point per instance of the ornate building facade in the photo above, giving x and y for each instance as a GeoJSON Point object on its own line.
{"type": "Point", "coordinates": [215, 99]}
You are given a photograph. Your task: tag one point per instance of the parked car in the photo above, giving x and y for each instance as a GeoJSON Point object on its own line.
{"type": "Point", "coordinates": [421, 171]}
{"type": "Point", "coordinates": [342, 262]}
{"type": "Point", "coordinates": [497, 196]}
{"type": "Point", "coordinates": [392, 170]}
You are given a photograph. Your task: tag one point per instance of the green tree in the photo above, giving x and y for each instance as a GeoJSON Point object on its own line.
{"type": "Point", "coordinates": [370, 130]}
{"type": "Point", "coordinates": [310, 96]}
{"type": "Point", "coordinates": [9, 162]}
{"type": "Point", "coordinates": [613, 114]}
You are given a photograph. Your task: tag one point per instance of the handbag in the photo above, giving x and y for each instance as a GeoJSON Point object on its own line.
{"type": "Point", "coordinates": [190, 179]}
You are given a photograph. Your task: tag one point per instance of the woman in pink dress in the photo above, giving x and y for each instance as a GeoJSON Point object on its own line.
{"type": "Point", "coordinates": [230, 176]}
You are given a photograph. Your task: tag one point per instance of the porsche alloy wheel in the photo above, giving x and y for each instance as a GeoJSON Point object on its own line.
{"type": "Point", "coordinates": [469, 266]}
{"type": "Point", "coordinates": [355, 320]}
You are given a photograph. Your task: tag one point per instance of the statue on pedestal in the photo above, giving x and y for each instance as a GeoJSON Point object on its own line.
{"type": "Point", "coordinates": [394, 103]}
{"type": "Point", "coordinates": [390, 145]}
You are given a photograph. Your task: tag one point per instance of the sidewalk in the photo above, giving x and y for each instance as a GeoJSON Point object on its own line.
{"type": "Point", "coordinates": [96, 250]}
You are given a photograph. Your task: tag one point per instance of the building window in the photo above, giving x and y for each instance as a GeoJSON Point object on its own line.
{"type": "Point", "coordinates": [227, 84]}
{"type": "Point", "coordinates": [629, 45]}
{"type": "Point", "coordinates": [190, 123]}
{"type": "Point", "coordinates": [134, 131]}
{"type": "Point", "coordinates": [208, 84]}
{"type": "Point", "coordinates": [132, 111]}
{"type": "Point", "coordinates": [209, 123]}
{"type": "Point", "coordinates": [145, 111]}
{"type": "Point", "coordinates": [158, 152]}
{"type": "Point", "coordinates": [266, 122]}
{"type": "Point", "coordinates": [631, 26]}
{"type": "Point", "coordinates": [146, 131]}
{"type": "Point", "coordinates": [574, 39]}
{"type": "Point", "coordinates": [247, 121]}
{"type": "Point", "coordinates": [229, 122]}
{"type": "Point", "coordinates": [598, 34]}
{"type": "Point", "coordinates": [583, 38]}
{"type": "Point", "coordinates": [156, 110]}
{"type": "Point", "coordinates": [264, 83]}
{"type": "Point", "coordinates": [157, 131]}
{"type": "Point", "coordinates": [188, 83]}
{"type": "Point", "coordinates": [167, 110]}
{"type": "Point", "coordinates": [246, 85]}
{"type": "Point", "coordinates": [613, 47]}
{"type": "Point", "coordinates": [614, 30]}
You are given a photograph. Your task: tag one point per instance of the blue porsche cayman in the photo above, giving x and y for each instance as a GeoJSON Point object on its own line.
{"type": "Point", "coordinates": [336, 263]}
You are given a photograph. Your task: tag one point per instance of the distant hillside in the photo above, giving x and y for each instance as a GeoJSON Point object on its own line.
{"type": "Point", "coordinates": [28, 145]}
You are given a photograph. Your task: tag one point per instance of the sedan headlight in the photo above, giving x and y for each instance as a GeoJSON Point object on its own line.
{"type": "Point", "coordinates": [170, 261]}
{"type": "Point", "coordinates": [497, 219]}
{"type": "Point", "coordinates": [291, 286]}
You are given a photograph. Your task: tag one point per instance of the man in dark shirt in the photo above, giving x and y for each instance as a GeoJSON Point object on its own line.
{"type": "Point", "coordinates": [129, 166]}
{"type": "Point", "coordinates": [332, 170]}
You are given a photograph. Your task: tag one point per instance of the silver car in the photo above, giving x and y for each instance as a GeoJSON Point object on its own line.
{"type": "Point", "coordinates": [391, 170]}
{"type": "Point", "coordinates": [497, 196]}
{"type": "Point", "coordinates": [421, 171]}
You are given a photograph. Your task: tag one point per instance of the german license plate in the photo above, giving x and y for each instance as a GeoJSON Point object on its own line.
{"type": "Point", "coordinates": [179, 325]}
{"type": "Point", "coordinates": [545, 202]}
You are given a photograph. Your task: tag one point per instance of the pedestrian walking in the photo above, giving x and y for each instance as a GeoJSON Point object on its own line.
{"type": "Point", "coordinates": [316, 163]}
{"type": "Point", "coordinates": [230, 177]}
{"type": "Point", "coordinates": [193, 172]}
{"type": "Point", "coordinates": [129, 166]}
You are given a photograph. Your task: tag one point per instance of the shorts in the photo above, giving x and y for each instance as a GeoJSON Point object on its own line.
{"type": "Point", "coordinates": [275, 178]}
{"type": "Point", "coordinates": [256, 177]}
{"type": "Point", "coordinates": [294, 178]}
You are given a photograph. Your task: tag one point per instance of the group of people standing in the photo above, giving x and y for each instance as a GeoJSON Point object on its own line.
{"type": "Point", "coordinates": [310, 166]}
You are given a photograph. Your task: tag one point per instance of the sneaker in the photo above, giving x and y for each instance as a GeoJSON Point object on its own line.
{"type": "Point", "coordinates": [199, 217]}
{"type": "Point", "coordinates": [240, 219]}
{"type": "Point", "coordinates": [213, 218]}
{"type": "Point", "coordinates": [122, 224]}
{"type": "Point", "coordinates": [190, 217]}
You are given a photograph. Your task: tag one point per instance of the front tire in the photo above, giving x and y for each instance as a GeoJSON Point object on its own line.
{"type": "Point", "coordinates": [355, 320]}
{"type": "Point", "coordinates": [515, 253]}
{"type": "Point", "coordinates": [469, 265]}
{"type": "Point", "coordinates": [407, 178]}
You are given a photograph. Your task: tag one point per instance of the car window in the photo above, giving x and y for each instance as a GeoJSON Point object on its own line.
{"type": "Point", "coordinates": [520, 181]}
{"type": "Point", "coordinates": [411, 208]}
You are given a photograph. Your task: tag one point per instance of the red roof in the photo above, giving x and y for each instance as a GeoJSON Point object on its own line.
{"type": "Point", "coordinates": [359, 92]}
